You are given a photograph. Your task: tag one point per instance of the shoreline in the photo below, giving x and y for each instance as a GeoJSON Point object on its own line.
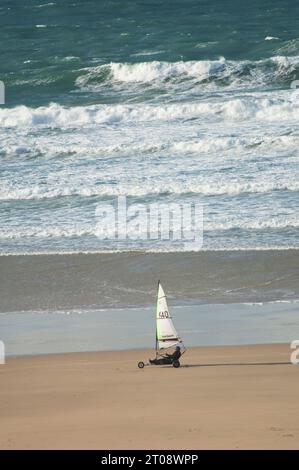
{"type": "Point", "coordinates": [143, 251]}
{"type": "Point", "coordinates": [102, 400]}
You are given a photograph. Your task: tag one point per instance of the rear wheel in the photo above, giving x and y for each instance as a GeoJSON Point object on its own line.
{"type": "Point", "coordinates": [176, 364]}
{"type": "Point", "coordinates": [141, 365]}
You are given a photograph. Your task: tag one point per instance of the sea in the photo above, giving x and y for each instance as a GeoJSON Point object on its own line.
{"type": "Point", "coordinates": [190, 101]}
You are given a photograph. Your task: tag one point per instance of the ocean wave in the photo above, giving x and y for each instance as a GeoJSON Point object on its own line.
{"type": "Point", "coordinates": [43, 5]}
{"type": "Point", "coordinates": [164, 249]}
{"type": "Point", "coordinates": [43, 232]}
{"type": "Point", "coordinates": [289, 47]}
{"type": "Point", "coordinates": [79, 146]}
{"type": "Point", "coordinates": [281, 222]}
{"type": "Point", "coordinates": [274, 70]}
{"type": "Point", "coordinates": [222, 144]}
{"type": "Point", "coordinates": [276, 109]}
{"type": "Point", "coordinates": [92, 146]}
{"type": "Point", "coordinates": [147, 188]}
{"type": "Point", "coordinates": [47, 232]}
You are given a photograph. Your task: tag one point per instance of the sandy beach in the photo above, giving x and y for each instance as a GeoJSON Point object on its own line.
{"type": "Point", "coordinates": [241, 397]}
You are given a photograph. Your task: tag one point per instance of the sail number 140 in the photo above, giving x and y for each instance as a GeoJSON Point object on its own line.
{"type": "Point", "coordinates": [164, 314]}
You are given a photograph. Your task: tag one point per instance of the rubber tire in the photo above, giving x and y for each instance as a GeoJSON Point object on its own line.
{"type": "Point", "coordinates": [141, 365]}
{"type": "Point", "coordinates": [176, 364]}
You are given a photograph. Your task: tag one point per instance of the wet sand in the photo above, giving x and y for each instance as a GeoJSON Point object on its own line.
{"type": "Point", "coordinates": [114, 280]}
{"type": "Point", "coordinates": [222, 397]}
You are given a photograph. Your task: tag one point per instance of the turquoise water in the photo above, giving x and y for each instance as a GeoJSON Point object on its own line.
{"type": "Point", "coordinates": [159, 101]}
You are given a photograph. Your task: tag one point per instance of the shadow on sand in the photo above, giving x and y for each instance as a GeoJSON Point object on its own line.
{"type": "Point", "coordinates": [228, 364]}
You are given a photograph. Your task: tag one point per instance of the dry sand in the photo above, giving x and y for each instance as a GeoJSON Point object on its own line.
{"type": "Point", "coordinates": [221, 397]}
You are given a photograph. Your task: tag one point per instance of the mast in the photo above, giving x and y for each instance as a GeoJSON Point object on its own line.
{"type": "Point", "coordinates": [156, 319]}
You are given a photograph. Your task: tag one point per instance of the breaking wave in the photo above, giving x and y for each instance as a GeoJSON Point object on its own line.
{"type": "Point", "coordinates": [274, 70]}
{"type": "Point", "coordinates": [147, 188]}
{"type": "Point", "coordinates": [275, 223]}
{"type": "Point", "coordinates": [82, 146]}
{"type": "Point", "coordinates": [276, 109]}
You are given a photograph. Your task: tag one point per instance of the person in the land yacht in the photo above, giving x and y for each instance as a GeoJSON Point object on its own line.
{"type": "Point", "coordinates": [169, 359]}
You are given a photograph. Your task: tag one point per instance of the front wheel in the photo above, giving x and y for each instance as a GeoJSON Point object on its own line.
{"type": "Point", "coordinates": [141, 365]}
{"type": "Point", "coordinates": [176, 364]}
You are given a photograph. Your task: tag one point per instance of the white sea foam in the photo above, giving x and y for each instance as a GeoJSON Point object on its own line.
{"type": "Point", "coordinates": [275, 222]}
{"type": "Point", "coordinates": [43, 5]}
{"type": "Point", "coordinates": [228, 72]}
{"type": "Point", "coordinates": [165, 249]}
{"type": "Point", "coordinates": [149, 71]}
{"type": "Point", "coordinates": [238, 109]}
{"type": "Point", "coordinates": [70, 58]}
{"type": "Point", "coordinates": [236, 149]}
{"type": "Point", "coordinates": [93, 146]}
{"type": "Point", "coordinates": [146, 188]}
{"type": "Point", "coordinates": [77, 230]}
{"type": "Point", "coordinates": [147, 53]}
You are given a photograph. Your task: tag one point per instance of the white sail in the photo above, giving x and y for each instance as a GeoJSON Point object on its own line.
{"type": "Point", "coordinates": [167, 336]}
